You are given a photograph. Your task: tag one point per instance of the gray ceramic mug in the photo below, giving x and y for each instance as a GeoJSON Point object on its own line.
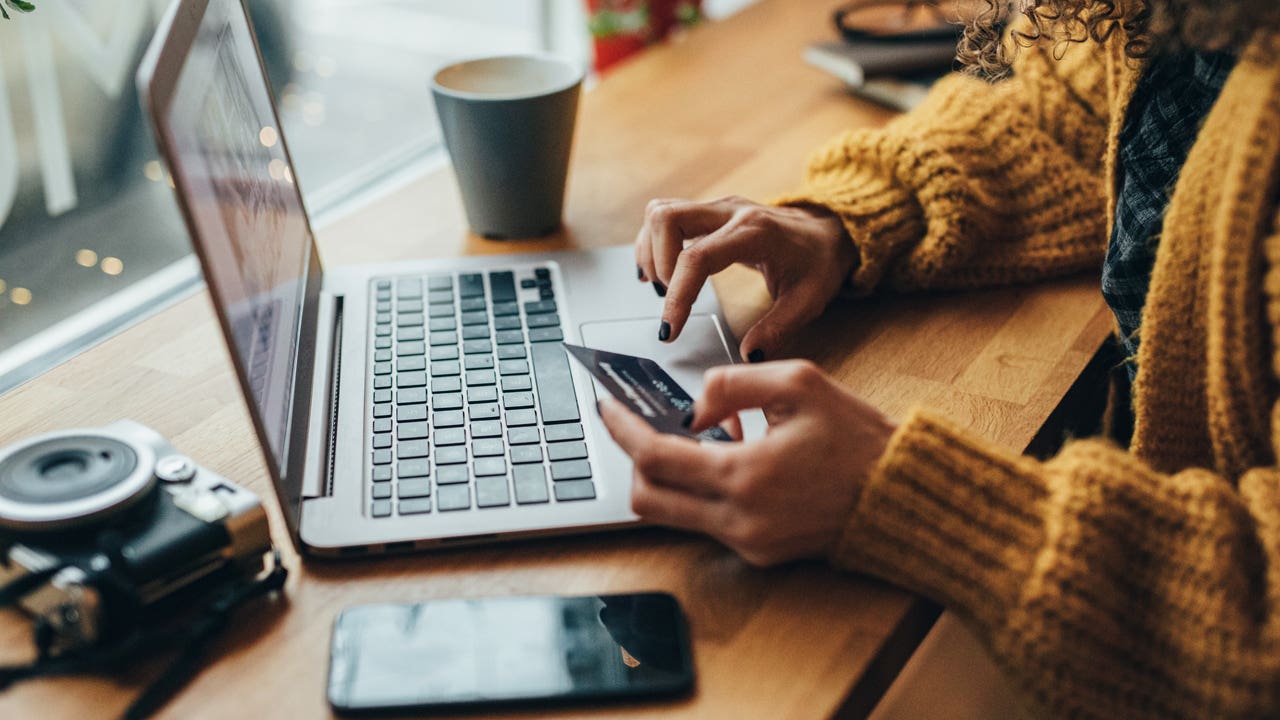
{"type": "Point", "coordinates": [508, 124]}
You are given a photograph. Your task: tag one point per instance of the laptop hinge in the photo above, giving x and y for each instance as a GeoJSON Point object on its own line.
{"type": "Point", "coordinates": [317, 480]}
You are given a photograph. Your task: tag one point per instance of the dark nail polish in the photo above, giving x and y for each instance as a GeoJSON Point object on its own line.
{"type": "Point", "coordinates": [598, 402]}
{"type": "Point", "coordinates": [755, 356]}
{"type": "Point", "coordinates": [664, 331]}
{"type": "Point", "coordinates": [639, 273]}
{"type": "Point", "coordinates": [687, 421]}
{"type": "Point", "coordinates": [659, 288]}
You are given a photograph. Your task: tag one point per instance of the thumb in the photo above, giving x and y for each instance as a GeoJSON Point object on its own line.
{"type": "Point", "coordinates": [765, 339]}
{"type": "Point", "coordinates": [730, 388]}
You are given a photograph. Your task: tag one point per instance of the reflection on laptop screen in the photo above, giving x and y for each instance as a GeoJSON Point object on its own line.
{"type": "Point", "coordinates": [249, 221]}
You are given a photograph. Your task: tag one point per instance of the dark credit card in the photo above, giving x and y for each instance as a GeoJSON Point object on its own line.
{"type": "Point", "coordinates": [644, 387]}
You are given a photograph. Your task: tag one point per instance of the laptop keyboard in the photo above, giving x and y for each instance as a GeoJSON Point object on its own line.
{"type": "Point", "coordinates": [473, 403]}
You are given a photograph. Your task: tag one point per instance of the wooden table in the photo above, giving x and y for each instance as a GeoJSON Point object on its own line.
{"type": "Point", "coordinates": [729, 109]}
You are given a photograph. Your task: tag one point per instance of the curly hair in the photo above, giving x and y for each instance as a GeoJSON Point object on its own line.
{"type": "Point", "coordinates": [1150, 27]}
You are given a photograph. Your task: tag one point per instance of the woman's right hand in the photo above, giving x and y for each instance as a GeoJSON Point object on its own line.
{"type": "Point", "coordinates": [804, 253]}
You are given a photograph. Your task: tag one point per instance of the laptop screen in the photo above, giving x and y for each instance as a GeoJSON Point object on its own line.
{"type": "Point", "coordinates": [248, 217]}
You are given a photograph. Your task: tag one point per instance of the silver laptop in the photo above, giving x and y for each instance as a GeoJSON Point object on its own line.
{"type": "Point", "coordinates": [404, 406]}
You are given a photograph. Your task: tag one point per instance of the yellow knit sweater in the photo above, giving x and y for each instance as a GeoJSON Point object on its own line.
{"type": "Point", "coordinates": [1107, 583]}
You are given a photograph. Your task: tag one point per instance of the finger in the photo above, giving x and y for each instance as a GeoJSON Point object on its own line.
{"type": "Point", "coordinates": [733, 426]}
{"type": "Point", "coordinates": [644, 240]}
{"type": "Point", "coordinates": [775, 388]}
{"type": "Point", "coordinates": [794, 308]}
{"type": "Point", "coordinates": [705, 257]}
{"type": "Point", "coordinates": [669, 460]}
{"type": "Point", "coordinates": [671, 223]}
{"type": "Point", "coordinates": [663, 505]}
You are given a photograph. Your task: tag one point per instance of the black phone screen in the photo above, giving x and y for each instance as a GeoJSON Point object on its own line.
{"type": "Point", "coordinates": [508, 650]}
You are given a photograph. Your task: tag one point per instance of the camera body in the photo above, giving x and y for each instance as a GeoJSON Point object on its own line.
{"type": "Point", "coordinates": [137, 529]}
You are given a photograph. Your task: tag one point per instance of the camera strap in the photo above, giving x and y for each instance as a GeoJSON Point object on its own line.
{"type": "Point", "coordinates": [193, 641]}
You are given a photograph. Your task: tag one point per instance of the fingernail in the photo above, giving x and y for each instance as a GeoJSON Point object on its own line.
{"type": "Point", "coordinates": [664, 331]}
{"type": "Point", "coordinates": [687, 421]}
{"type": "Point", "coordinates": [639, 273]}
{"type": "Point", "coordinates": [659, 288]}
{"type": "Point", "coordinates": [755, 356]}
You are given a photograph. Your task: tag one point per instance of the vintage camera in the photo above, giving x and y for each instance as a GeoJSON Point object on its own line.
{"type": "Point", "coordinates": [114, 530]}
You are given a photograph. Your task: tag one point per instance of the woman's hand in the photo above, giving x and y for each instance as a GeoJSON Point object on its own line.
{"type": "Point", "coordinates": [783, 497]}
{"type": "Point", "coordinates": [804, 254]}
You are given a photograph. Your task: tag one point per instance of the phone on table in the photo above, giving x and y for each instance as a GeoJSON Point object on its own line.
{"type": "Point", "coordinates": [464, 653]}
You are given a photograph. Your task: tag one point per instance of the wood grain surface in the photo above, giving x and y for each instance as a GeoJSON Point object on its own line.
{"type": "Point", "coordinates": [730, 108]}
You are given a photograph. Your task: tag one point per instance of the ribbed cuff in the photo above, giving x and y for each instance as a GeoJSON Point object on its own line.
{"type": "Point", "coordinates": [949, 516]}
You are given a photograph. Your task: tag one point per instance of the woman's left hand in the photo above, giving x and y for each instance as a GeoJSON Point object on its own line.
{"type": "Point", "coordinates": [783, 497]}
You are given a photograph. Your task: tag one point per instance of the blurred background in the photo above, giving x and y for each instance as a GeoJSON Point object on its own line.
{"type": "Point", "coordinates": [90, 236]}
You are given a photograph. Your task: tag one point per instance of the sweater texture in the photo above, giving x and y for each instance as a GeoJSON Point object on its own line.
{"type": "Point", "coordinates": [1107, 582]}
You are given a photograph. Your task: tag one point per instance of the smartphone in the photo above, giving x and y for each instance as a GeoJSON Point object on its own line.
{"type": "Point", "coordinates": [463, 653]}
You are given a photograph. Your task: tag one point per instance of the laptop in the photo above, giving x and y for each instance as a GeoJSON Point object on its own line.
{"type": "Point", "coordinates": [400, 406]}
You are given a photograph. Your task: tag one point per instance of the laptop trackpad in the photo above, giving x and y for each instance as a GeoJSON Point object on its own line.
{"type": "Point", "coordinates": [701, 345]}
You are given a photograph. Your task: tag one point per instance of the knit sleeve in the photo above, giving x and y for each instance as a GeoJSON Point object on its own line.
{"type": "Point", "coordinates": [982, 184]}
{"type": "Point", "coordinates": [1103, 588]}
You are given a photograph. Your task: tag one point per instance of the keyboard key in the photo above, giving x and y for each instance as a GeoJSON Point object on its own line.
{"type": "Point", "coordinates": [410, 363]}
{"type": "Point", "coordinates": [382, 396]}
{"type": "Point", "coordinates": [484, 411]}
{"type": "Point", "coordinates": [382, 425]}
{"type": "Point", "coordinates": [413, 449]}
{"type": "Point", "coordinates": [575, 490]}
{"type": "Point", "coordinates": [444, 368]}
{"type": "Point", "coordinates": [409, 319]}
{"type": "Point", "coordinates": [560, 433]}
{"type": "Point", "coordinates": [526, 283]}
{"type": "Point", "coordinates": [452, 475]}
{"type": "Point", "coordinates": [451, 455]}
{"type": "Point", "coordinates": [513, 367]}
{"type": "Point", "coordinates": [475, 318]}
{"type": "Point", "coordinates": [515, 383]}
{"type": "Point", "coordinates": [472, 304]}
{"type": "Point", "coordinates": [440, 353]}
{"type": "Point", "coordinates": [522, 435]}
{"type": "Point", "coordinates": [543, 321]}
{"type": "Point", "coordinates": [416, 347]}
{"type": "Point", "coordinates": [570, 469]}
{"type": "Point", "coordinates": [382, 492]}
{"type": "Point", "coordinates": [475, 332]}
{"type": "Point", "coordinates": [502, 286]}
{"type": "Point", "coordinates": [486, 447]}
{"type": "Point", "coordinates": [448, 418]}
{"type": "Point", "coordinates": [411, 395]}
{"type": "Point", "coordinates": [382, 383]}
{"type": "Point", "coordinates": [382, 330]}
{"type": "Point", "coordinates": [446, 384]}
{"type": "Point", "coordinates": [414, 489]}
{"type": "Point", "coordinates": [567, 451]}
{"type": "Point", "coordinates": [516, 418]}
{"type": "Point", "coordinates": [420, 467]}
{"type": "Point", "coordinates": [539, 307]}
{"type": "Point", "coordinates": [381, 508]}
{"type": "Point", "coordinates": [411, 413]}
{"type": "Point", "coordinates": [447, 401]}
{"type": "Point", "coordinates": [407, 306]}
{"type": "Point", "coordinates": [492, 492]}
{"type": "Point", "coordinates": [450, 436]}
{"type": "Point", "coordinates": [508, 337]}
{"type": "Point", "coordinates": [453, 497]}
{"type": "Point", "coordinates": [408, 288]}
{"type": "Point", "coordinates": [382, 410]}
{"type": "Point", "coordinates": [411, 431]}
{"type": "Point", "coordinates": [449, 337]}
{"type": "Point", "coordinates": [436, 311]}
{"type": "Point", "coordinates": [526, 454]}
{"type": "Point", "coordinates": [382, 343]}
{"type": "Point", "coordinates": [381, 457]}
{"type": "Point", "coordinates": [470, 285]}
{"type": "Point", "coordinates": [546, 293]}
{"type": "Point", "coordinates": [486, 428]}
{"type": "Point", "coordinates": [545, 334]}
{"type": "Point", "coordinates": [440, 282]}
{"type": "Point", "coordinates": [480, 377]}
{"type": "Point", "coordinates": [436, 324]}
{"type": "Point", "coordinates": [517, 400]}
{"type": "Point", "coordinates": [556, 396]}
{"type": "Point", "coordinates": [471, 347]}
{"type": "Point", "coordinates": [482, 394]}
{"type": "Point", "coordinates": [405, 334]}
{"type": "Point", "coordinates": [542, 273]}
{"type": "Point", "coordinates": [384, 295]}
{"type": "Point", "coordinates": [440, 297]}
{"type": "Point", "coordinates": [479, 362]}
{"type": "Point", "coordinates": [511, 352]}
{"type": "Point", "coordinates": [411, 379]}
{"type": "Point", "coordinates": [489, 466]}
{"type": "Point", "coordinates": [505, 309]}
{"type": "Point", "coordinates": [511, 322]}
{"type": "Point", "coordinates": [530, 483]}
{"type": "Point", "coordinates": [382, 473]}
{"type": "Point", "coordinates": [414, 507]}
{"type": "Point", "coordinates": [382, 318]}
{"type": "Point", "coordinates": [381, 355]}
{"type": "Point", "coordinates": [382, 440]}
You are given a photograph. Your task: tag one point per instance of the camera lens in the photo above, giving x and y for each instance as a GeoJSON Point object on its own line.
{"type": "Point", "coordinates": [66, 478]}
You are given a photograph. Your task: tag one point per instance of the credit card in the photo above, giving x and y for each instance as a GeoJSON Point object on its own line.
{"type": "Point", "coordinates": [644, 387]}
